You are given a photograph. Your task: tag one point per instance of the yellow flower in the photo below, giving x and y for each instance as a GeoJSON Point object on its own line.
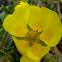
{"type": "Point", "coordinates": [27, 59]}
{"type": "Point", "coordinates": [45, 25]}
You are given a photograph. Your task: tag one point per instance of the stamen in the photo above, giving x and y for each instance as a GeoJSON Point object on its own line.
{"type": "Point", "coordinates": [32, 36]}
{"type": "Point", "coordinates": [37, 31]}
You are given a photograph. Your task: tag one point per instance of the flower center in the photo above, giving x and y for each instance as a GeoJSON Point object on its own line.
{"type": "Point", "coordinates": [32, 36]}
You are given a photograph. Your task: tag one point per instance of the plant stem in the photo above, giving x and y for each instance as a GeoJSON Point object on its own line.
{"type": "Point", "coordinates": [3, 40]}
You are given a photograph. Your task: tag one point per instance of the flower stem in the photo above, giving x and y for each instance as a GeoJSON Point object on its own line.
{"type": "Point", "coordinates": [3, 40]}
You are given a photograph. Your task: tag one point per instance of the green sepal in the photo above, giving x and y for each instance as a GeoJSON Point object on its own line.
{"type": "Point", "coordinates": [28, 27]}
{"type": "Point", "coordinates": [41, 43]}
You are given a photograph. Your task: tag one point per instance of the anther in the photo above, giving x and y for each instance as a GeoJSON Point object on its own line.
{"type": "Point", "coordinates": [37, 31]}
{"type": "Point", "coordinates": [31, 29]}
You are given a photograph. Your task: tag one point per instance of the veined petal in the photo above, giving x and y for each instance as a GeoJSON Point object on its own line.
{"type": "Point", "coordinates": [16, 24]}
{"type": "Point", "coordinates": [37, 18]}
{"type": "Point", "coordinates": [52, 33]}
{"type": "Point", "coordinates": [36, 51]}
{"type": "Point", "coordinates": [21, 45]}
{"type": "Point", "coordinates": [26, 59]}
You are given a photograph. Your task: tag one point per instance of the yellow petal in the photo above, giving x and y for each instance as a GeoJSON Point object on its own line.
{"type": "Point", "coordinates": [24, 3]}
{"type": "Point", "coordinates": [21, 45]}
{"type": "Point", "coordinates": [16, 24]}
{"type": "Point", "coordinates": [52, 33]}
{"type": "Point", "coordinates": [26, 59]}
{"type": "Point", "coordinates": [21, 4]}
{"type": "Point", "coordinates": [34, 19]}
{"type": "Point", "coordinates": [36, 51]}
{"type": "Point", "coordinates": [44, 14]}
{"type": "Point", "coordinates": [37, 19]}
{"type": "Point", "coordinates": [61, 28]}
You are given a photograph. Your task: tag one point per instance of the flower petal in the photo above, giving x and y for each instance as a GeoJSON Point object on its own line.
{"type": "Point", "coordinates": [52, 33]}
{"type": "Point", "coordinates": [21, 4]}
{"type": "Point", "coordinates": [36, 51]}
{"type": "Point", "coordinates": [26, 59]}
{"type": "Point", "coordinates": [21, 45]}
{"type": "Point", "coordinates": [34, 18]}
{"type": "Point", "coordinates": [37, 19]}
{"type": "Point", "coordinates": [16, 24]}
{"type": "Point", "coordinates": [61, 28]}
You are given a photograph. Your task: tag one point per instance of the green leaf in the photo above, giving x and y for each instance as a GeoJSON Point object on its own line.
{"type": "Point", "coordinates": [49, 58]}
{"type": "Point", "coordinates": [11, 8]}
{"type": "Point", "coordinates": [8, 41]}
{"type": "Point", "coordinates": [1, 22]}
{"type": "Point", "coordinates": [5, 50]}
{"type": "Point", "coordinates": [14, 54]}
{"type": "Point", "coordinates": [4, 9]}
{"type": "Point", "coordinates": [46, 4]}
{"type": "Point", "coordinates": [51, 6]}
{"type": "Point", "coordinates": [11, 2]}
{"type": "Point", "coordinates": [3, 15]}
{"type": "Point", "coordinates": [1, 54]}
{"type": "Point", "coordinates": [1, 34]}
{"type": "Point", "coordinates": [5, 59]}
{"type": "Point", "coordinates": [29, 1]}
